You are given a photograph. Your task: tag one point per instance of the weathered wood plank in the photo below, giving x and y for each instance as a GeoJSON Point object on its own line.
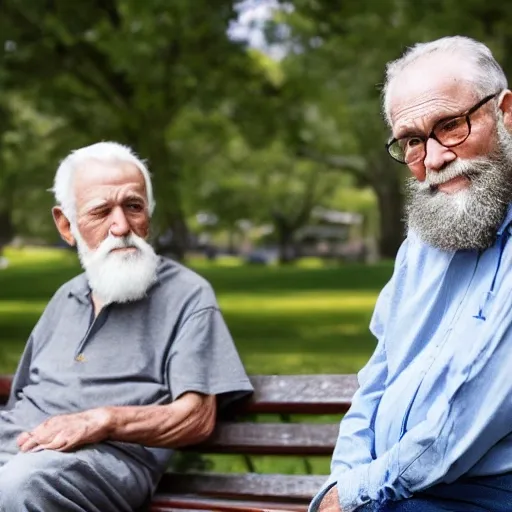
{"type": "Point", "coordinates": [301, 394]}
{"type": "Point", "coordinates": [299, 488]}
{"type": "Point", "coordinates": [5, 387]}
{"type": "Point", "coordinates": [184, 503]}
{"type": "Point", "coordinates": [272, 439]}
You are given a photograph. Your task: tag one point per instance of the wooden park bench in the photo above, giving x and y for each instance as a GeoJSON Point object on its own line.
{"type": "Point", "coordinates": [239, 433]}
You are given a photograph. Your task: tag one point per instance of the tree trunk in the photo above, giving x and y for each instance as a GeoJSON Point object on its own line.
{"type": "Point", "coordinates": [6, 229]}
{"type": "Point", "coordinates": [170, 216]}
{"type": "Point", "coordinates": [390, 201]}
{"type": "Point", "coordinates": [180, 236]}
{"type": "Point", "coordinates": [232, 240]}
{"type": "Point", "coordinates": [285, 243]}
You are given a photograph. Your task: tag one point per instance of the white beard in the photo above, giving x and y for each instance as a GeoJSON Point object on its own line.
{"type": "Point", "coordinates": [468, 219]}
{"type": "Point", "coordinates": [118, 276]}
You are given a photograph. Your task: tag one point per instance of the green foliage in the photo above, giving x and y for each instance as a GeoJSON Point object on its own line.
{"type": "Point", "coordinates": [337, 55]}
{"type": "Point", "coordinates": [142, 73]}
{"type": "Point", "coordinates": [225, 129]}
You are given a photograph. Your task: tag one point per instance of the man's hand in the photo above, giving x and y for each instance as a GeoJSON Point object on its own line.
{"type": "Point", "coordinates": [331, 501]}
{"type": "Point", "coordinates": [188, 420]}
{"type": "Point", "coordinates": [66, 432]}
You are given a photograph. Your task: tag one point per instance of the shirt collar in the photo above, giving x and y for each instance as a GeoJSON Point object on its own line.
{"type": "Point", "coordinates": [507, 221]}
{"type": "Point", "coordinates": [80, 289]}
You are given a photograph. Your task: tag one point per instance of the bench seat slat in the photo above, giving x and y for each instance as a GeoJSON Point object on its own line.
{"type": "Point", "coordinates": [182, 503]}
{"type": "Point", "coordinates": [298, 488]}
{"type": "Point", "coordinates": [272, 439]}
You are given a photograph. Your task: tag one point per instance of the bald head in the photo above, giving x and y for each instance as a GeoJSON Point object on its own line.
{"type": "Point", "coordinates": [457, 59]}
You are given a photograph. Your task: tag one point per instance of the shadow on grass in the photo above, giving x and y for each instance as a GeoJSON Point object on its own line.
{"type": "Point", "coordinates": [41, 279]}
{"type": "Point", "coordinates": [253, 279]}
{"type": "Point", "coordinates": [35, 282]}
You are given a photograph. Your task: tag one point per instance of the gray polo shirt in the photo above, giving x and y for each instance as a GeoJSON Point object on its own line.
{"type": "Point", "coordinates": [146, 352]}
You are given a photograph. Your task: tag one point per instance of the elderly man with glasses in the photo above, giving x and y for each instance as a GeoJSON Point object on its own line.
{"type": "Point", "coordinates": [430, 428]}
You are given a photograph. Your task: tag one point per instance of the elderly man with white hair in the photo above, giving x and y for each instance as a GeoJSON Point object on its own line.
{"type": "Point", "coordinates": [430, 428]}
{"type": "Point", "coordinates": [129, 360]}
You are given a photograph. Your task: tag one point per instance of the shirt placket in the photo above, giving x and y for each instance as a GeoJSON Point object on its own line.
{"type": "Point", "coordinates": [435, 348]}
{"type": "Point", "coordinates": [96, 323]}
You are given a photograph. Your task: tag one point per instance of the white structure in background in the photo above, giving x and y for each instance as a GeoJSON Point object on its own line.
{"type": "Point", "coordinates": [333, 234]}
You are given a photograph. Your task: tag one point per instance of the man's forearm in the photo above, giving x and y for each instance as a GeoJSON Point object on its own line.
{"type": "Point", "coordinates": [188, 420]}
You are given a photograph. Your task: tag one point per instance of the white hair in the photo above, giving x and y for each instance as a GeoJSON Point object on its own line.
{"type": "Point", "coordinates": [488, 76]}
{"type": "Point", "coordinates": [107, 152]}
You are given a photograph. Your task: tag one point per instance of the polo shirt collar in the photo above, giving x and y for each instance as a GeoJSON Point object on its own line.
{"type": "Point", "coordinates": [80, 289]}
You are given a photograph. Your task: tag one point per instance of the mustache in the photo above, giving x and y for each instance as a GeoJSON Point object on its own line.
{"type": "Point", "coordinates": [114, 242]}
{"type": "Point", "coordinates": [468, 168]}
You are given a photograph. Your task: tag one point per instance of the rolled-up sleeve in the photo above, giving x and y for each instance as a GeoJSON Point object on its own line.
{"type": "Point", "coordinates": [355, 443]}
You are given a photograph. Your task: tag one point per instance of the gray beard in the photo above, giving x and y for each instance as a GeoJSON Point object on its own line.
{"type": "Point", "coordinates": [468, 219]}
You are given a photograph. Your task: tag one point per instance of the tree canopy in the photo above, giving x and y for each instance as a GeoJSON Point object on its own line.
{"type": "Point", "coordinates": [226, 129]}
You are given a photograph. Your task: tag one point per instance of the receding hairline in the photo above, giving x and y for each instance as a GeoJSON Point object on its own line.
{"type": "Point", "coordinates": [486, 75]}
{"type": "Point", "coordinates": [114, 162]}
{"type": "Point", "coordinates": [109, 162]}
{"type": "Point", "coordinates": [446, 75]}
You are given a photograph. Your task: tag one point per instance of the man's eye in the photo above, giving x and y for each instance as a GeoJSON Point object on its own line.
{"type": "Point", "coordinates": [101, 213]}
{"type": "Point", "coordinates": [134, 207]}
{"type": "Point", "coordinates": [452, 124]}
{"type": "Point", "coordinates": [413, 142]}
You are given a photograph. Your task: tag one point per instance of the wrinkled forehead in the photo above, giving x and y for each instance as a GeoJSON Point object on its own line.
{"type": "Point", "coordinates": [108, 181]}
{"type": "Point", "coordinates": [431, 86]}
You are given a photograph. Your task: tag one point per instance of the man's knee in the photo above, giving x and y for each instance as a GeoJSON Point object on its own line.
{"type": "Point", "coordinates": [31, 483]}
{"type": "Point", "coordinates": [90, 479]}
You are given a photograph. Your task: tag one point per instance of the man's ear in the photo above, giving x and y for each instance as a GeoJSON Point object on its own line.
{"type": "Point", "coordinates": [506, 108]}
{"type": "Point", "coordinates": [63, 225]}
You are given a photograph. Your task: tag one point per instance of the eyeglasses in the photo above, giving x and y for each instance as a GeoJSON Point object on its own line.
{"type": "Point", "coordinates": [449, 132]}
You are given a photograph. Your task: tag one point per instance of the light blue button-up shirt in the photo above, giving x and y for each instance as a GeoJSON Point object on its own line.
{"type": "Point", "coordinates": [435, 399]}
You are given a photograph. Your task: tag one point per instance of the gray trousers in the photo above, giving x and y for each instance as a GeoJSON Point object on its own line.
{"type": "Point", "coordinates": [92, 479]}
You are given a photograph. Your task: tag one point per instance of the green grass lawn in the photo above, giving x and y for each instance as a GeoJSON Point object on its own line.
{"type": "Point", "coordinates": [298, 319]}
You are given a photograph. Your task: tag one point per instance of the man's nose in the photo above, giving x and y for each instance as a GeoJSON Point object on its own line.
{"type": "Point", "coordinates": [437, 156]}
{"type": "Point", "coordinates": [120, 225]}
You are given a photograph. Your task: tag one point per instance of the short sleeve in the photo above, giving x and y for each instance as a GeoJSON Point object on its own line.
{"type": "Point", "coordinates": [22, 376]}
{"type": "Point", "coordinates": [204, 359]}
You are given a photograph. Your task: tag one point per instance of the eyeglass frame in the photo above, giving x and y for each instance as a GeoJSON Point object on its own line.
{"type": "Point", "coordinates": [432, 135]}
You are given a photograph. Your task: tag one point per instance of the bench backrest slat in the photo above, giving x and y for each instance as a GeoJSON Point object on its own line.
{"type": "Point", "coordinates": [301, 394]}
{"type": "Point", "coordinates": [272, 439]}
{"type": "Point", "coordinates": [248, 485]}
